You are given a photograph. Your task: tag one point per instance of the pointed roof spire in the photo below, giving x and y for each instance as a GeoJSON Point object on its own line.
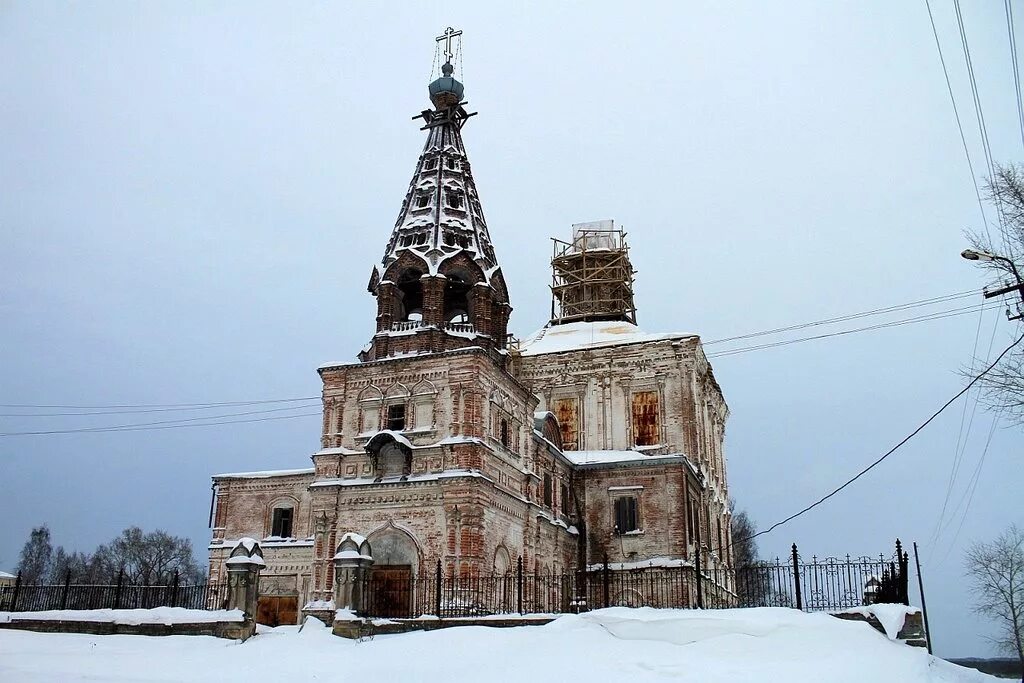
{"type": "Point", "coordinates": [439, 286]}
{"type": "Point", "coordinates": [441, 213]}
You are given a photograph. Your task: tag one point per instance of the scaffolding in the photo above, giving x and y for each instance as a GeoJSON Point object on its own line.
{"type": "Point", "coordinates": [592, 278]}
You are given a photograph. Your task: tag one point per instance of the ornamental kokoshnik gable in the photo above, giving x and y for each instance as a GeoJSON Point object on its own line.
{"type": "Point", "coordinates": [448, 441]}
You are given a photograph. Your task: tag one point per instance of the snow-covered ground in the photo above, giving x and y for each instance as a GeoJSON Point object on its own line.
{"type": "Point", "coordinates": [617, 644]}
{"type": "Point", "coordinates": [155, 615]}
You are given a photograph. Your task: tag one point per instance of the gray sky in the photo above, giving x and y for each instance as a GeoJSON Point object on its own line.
{"type": "Point", "coordinates": [193, 197]}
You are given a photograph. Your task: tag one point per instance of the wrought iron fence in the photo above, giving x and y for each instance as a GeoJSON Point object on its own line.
{"type": "Point", "coordinates": [70, 596]}
{"type": "Point", "coordinates": [829, 584]}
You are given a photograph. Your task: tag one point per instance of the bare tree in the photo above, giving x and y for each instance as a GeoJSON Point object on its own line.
{"type": "Point", "coordinates": [150, 558]}
{"type": "Point", "coordinates": [742, 528]}
{"type": "Point", "coordinates": [36, 556]}
{"type": "Point", "coordinates": [1003, 386]}
{"type": "Point", "coordinates": [996, 571]}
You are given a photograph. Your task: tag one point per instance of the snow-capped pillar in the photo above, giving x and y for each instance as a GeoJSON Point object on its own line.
{"type": "Point", "coordinates": [351, 571]}
{"type": "Point", "coordinates": [244, 565]}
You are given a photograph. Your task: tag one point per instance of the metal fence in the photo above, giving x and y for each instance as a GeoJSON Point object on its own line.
{"type": "Point", "coordinates": [122, 595]}
{"type": "Point", "coordinates": [829, 584]}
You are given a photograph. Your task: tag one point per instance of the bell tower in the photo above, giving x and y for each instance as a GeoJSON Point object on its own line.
{"type": "Point", "coordinates": [439, 285]}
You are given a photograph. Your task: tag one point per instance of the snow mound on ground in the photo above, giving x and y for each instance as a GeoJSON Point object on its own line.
{"type": "Point", "coordinates": [156, 615]}
{"type": "Point", "coordinates": [891, 617]}
{"type": "Point", "coordinates": [618, 644]}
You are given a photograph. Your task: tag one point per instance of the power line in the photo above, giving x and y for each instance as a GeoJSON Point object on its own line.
{"type": "Point", "coordinates": [957, 450]}
{"type": "Point", "coordinates": [852, 316]}
{"type": "Point", "coordinates": [959, 125]}
{"type": "Point", "coordinates": [1016, 67]}
{"type": "Point", "coordinates": [167, 423]}
{"type": "Point", "coordinates": [146, 407]}
{"type": "Point", "coordinates": [188, 426]}
{"type": "Point", "coordinates": [939, 315]}
{"type": "Point", "coordinates": [890, 451]}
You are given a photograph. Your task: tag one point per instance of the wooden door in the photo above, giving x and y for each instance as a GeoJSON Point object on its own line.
{"type": "Point", "coordinates": [391, 591]}
{"type": "Point", "coordinates": [275, 610]}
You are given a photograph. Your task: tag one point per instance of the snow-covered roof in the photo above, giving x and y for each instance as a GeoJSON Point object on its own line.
{"type": "Point", "coordinates": [588, 335]}
{"type": "Point", "coordinates": [614, 457]}
{"type": "Point", "coordinates": [264, 474]}
{"type": "Point", "coordinates": [5, 575]}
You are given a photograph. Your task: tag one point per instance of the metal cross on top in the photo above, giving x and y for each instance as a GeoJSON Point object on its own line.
{"type": "Point", "coordinates": [447, 36]}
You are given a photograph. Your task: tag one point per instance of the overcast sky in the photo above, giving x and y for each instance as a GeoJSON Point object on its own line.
{"type": "Point", "coordinates": [193, 196]}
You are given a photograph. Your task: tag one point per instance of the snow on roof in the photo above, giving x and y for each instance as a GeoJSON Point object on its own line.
{"type": "Point", "coordinates": [264, 474]}
{"type": "Point", "coordinates": [358, 539]}
{"type": "Point", "coordinates": [587, 335]}
{"type": "Point", "coordinates": [5, 575]}
{"type": "Point", "coordinates": [243, 559]}
{"type": "Point", "coordinates": [427, 476]}
{"type": "Point", "coordinates": [654, 562]}
{"type": "Point", "coordinates": [610, 457]}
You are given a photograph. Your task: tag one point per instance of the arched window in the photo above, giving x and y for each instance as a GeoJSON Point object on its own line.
{"type": "Point", "coordinates": [411, 288]}
{"type": "Point", "coordinates": [281, 521]}
{"type": "Point", "coordinates": [456, 298]}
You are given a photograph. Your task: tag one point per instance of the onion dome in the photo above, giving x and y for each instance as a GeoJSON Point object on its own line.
{"type": "Point", "coordinates": [446, 91]}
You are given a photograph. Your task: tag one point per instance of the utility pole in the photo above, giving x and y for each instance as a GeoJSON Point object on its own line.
{"type": "Point", "coordinates": [974, 255]}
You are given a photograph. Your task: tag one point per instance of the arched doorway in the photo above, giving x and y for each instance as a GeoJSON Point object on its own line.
{"type": "Point", "coordinates": [396, 561]}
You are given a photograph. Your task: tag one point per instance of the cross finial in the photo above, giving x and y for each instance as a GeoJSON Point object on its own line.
{"type": "Point", "coordinates": [447, 36]}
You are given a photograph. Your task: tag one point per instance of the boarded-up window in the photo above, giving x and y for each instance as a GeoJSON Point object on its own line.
{"type": "Point", "coordinates": [567, 413]}
{"type": "Point", "coordinates": [626, 518]}
{"type": "Point", "coordinates": [370, 419]}
{"type": "Point", "coordinates": [646, 430]}
{"type": "Point", "coordinates": [424, 414]}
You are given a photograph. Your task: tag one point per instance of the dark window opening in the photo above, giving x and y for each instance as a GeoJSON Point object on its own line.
{"type": "Point", "coordinates": [565, 499]}
{"type": "Point", "coordinates": [504, 432]}
{"type": "Point", "coordinates": [430, 164]}
{"type": "Point", "coordinates": [422, 201]}
{"type": "Point", "coordinates": [396, 417]}
{"type": "Point", "coordinates": [626, 515]}
{"type": "Point", "coordinates": [282, 523]}
{"type": "Point", "coordinates": [411, 288]}
{"type": "Point", "coordinates": [456, 299]}
{"type": "Point", "coordinates": [547, 490]}
{"type": "Point", "coordinates": [452, 163]}
{"type": "Point", "coordinates": [454, 200]}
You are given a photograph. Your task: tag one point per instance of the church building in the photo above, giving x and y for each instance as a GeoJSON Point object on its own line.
{"type": "Point", "coordinates": [449, 440]}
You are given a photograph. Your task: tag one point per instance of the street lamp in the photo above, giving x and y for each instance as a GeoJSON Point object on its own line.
{"type": "Point", "coordinates": [975, 255]}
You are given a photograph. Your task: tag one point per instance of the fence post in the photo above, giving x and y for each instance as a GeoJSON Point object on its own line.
{"type": "Point", "coordinates": [17, 589]}
{"type": "Point", "coordinates": [697, 573]}
{"type": "Point", "coordinates": [174, 590]}
{"type": "Point", "coordinates": [605, 576]}
{"type": "Point", "coordinates": [64, 593]}
{"type": "Point", "coordinates": [796, 578]}
{"type": "Point", "coordinates": [437, 590]}
{"type": "Point", "coordinates": [519, 585]}
{"type": "Point", "coordinates": [904, 580]}
{"type": "Point", "coordinates": [117, 593]}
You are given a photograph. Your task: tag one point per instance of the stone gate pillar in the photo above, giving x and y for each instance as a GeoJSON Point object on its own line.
{"type": "Point", "coordinates": [351, 570]}
{"type": "Point", "coordinates": [244, 565]}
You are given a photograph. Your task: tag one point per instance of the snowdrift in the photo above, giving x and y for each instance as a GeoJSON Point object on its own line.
{"type": "Point", "coordinates": [618, 644]}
